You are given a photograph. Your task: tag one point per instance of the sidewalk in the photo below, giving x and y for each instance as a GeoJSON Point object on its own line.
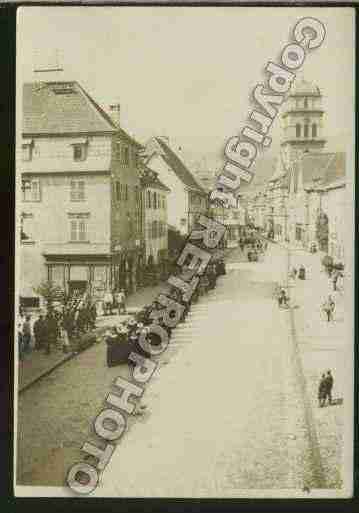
{"type": "Point", "coordinates": [37, 364]}
{"type": "Point", "coordinates": [322, 346]}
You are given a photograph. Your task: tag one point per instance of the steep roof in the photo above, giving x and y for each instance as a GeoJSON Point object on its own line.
{"type": "Point", "coordinates": [178, 167]}
{"type": "Point", "coordinates": [150, 178]}
{"type": "Point", "coordinates": [62, 108]}
{"type": "Point", "coordinates": [320, 169]}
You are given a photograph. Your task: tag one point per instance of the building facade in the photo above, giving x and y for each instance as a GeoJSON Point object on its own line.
{"type": "Point", "coordinates": [187, 198]}
{"type": "Point", "coordinates": [79, 173]}
{"type": "Point", "coordinates": [154, 217]}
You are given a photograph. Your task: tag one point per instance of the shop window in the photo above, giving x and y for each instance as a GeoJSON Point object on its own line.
{"type": "Point", "coordinates": [306, 130]}
{"type": "Point", "coordinates": [298, 130]}
{"type": "Point", "coordinates": [314, 130]}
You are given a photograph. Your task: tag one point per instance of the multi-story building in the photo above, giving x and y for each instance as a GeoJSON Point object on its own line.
{"type": "Point", "coordinates": [79, 177]}
{"type": "Point", "coordinates": [304, 193]}
{"type": "Point", "coordinates": [154, 217]}
{"type": "Point", "coordinates": [316, 196]}
{"type": "Point", "coordinates": [187, 198]}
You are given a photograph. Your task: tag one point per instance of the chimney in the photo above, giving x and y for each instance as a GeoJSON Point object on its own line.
{"type": "Point", "coordinates": [115, 110]}
{"type": "Point", "coordinates": [47, 66]}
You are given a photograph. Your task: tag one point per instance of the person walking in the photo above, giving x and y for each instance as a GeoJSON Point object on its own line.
{"type": "Point", "coordinates": [39, 327]}
{"type": "Point", "coordinates": [26, 334]}
{"type": "Point", "coordinates": [329, 307]}
{"type": "Point", "coordinates": [329, 382]}
{"type": "Point", "coordinates": [322, 391]}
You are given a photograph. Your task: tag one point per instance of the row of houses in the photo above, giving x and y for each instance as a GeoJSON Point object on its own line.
{"type": "Point", "coordinates": [96, 204]}
{"type": "Point", "coordinates": [304, 200]}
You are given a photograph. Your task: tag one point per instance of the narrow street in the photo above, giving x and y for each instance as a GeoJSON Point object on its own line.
{"type": "Point", "coordinates": [226, 393]}
{"type": "Point", "coordinates": [227, 412]}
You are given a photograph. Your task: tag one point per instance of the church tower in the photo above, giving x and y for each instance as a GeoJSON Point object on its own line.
{"type": "Point", "coordinates": [302, 121]}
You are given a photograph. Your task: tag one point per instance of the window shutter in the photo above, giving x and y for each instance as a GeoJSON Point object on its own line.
{"type": "Point", "coordinates": [82, 230]}
{"type": "Point", "coordinates": [73, 230]}
{"type": "Point", "coordinates": [35, 190]}
{"type": "Point", "coordinates": [81, 190]}
{"type": "Point", "coordinates": [73, 190]}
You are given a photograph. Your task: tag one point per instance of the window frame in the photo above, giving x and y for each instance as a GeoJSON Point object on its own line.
{"type": "Point", "coordinates": [76, 194]}
{"type": "Point", "coordinates": [27, 147]}
{"type": "Point", "coordinates": [33, 198]}
{"type": "Point", "coordinates": [83, 153]}
{"type": "Point", "coordinates": [79, 228]}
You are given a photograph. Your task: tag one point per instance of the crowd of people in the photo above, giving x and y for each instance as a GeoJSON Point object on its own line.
{"type": "Point", "coordinates": [60, 327]}
{"type": "Point", "coordinates": [122, 339]}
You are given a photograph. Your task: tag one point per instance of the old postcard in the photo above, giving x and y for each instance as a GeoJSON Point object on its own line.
{"type": "Point", "coordinates": [184, 258]}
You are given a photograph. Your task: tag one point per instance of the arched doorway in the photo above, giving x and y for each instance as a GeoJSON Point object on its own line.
{"type": "Point", "coordinates": [322, 231]}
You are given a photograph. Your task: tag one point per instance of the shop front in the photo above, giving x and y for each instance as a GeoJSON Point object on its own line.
{"type": "Point", "coordinates": [80, 275]}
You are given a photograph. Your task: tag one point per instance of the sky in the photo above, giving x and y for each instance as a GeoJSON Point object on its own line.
{"type": "Point", "coordinates": [188, 73]}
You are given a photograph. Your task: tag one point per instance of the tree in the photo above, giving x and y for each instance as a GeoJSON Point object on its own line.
{"type": "Point", "coordinates": [50, 292]}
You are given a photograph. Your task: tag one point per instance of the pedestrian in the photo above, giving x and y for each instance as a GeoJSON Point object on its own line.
{"type": "Point", "coordinates": [282, 299]}
{"type": "Point", "coordinates": [294, 273]}
{"type": "Point", "coordinates": [39, 329]}
{"type": "Point", "coordinates": [121, 301]}
{"type": "Point", "coordinates": [301, 272]}
{"type": "Point", "coordinates": [93, 315]}
{"type": "Point", "coordinates": [26, 334]}
{"type": "Point", "coordinates": [51, 330]}
{"type": "Point", "coordinates": [329, 382]}
{"type": "Point", "coordinates": [335, 277]}
{"type": "Point", "coordinates": [322, 391]}
{"type": "Point", "coordinates": [20, 341]}
{"type": "Point", "coordinates": [108, 300]}
{"type": "Point", "coordinates": [329, 307]}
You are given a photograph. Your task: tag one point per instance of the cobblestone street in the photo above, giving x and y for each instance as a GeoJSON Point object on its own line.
{"type": "Point", "coordinates": [227, 392]}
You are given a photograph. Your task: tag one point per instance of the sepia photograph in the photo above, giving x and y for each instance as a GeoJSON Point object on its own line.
{"type": "Point", "coordinates": [184, 262]}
